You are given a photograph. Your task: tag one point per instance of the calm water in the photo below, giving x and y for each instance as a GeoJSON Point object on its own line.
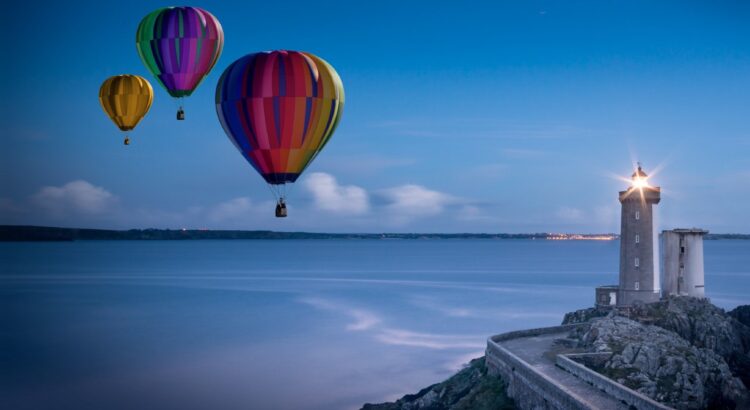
{"type": "Point", "coordinates": [283, 324]}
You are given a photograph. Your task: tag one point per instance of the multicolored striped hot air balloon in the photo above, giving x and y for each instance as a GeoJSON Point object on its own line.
{"type": "Point", "coordinates": [279, 109]}
{"type": "Point", "coordinates": [126, 99]}
{"type": "Point", "coordinates": [179, 45]}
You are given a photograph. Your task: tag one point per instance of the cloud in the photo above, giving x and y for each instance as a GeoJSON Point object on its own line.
{"type": "Point", "coordinates": [328, 195]}
{"type": "Point", "coordinates": [328, 206]}
{"type": "Point", "coordinates": [234, 209]}
{"type": "Point", "coordinates": [77, 196]}
{"type": "Point", "coordinates": [411, 201]}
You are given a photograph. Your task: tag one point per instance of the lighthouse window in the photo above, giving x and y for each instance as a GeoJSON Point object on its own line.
{"type": "Point", "coordinates": [637, 238]}
{"type": "Point", "coordinates": [637, 215]}
{"type": "Point", "coordinates": [637, 285]}
{"type": "Point", "coordinates": [637, 262]}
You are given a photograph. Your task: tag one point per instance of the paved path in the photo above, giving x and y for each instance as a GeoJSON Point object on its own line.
{"type": "Point", "coordinates": [532, 349]}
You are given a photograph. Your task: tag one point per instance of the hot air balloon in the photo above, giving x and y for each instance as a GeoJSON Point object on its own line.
{"type": "Point", "coordinates": [279, 109]}
{"type": "Point", "coordinates": [126, 99]}
{"type": "Point", "coordinates": [179, 45]}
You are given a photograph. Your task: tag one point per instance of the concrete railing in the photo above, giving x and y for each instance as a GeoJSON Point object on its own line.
{"type": "Point", "coordinates": [521, 375]}
{"type": "Point", "coordinates": [533, 332]}
{"type": "Point", "coordinates": [601, 382]}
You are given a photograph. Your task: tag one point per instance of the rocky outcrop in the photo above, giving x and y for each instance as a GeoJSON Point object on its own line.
{"type": "Point", "coordinates": [584, 315]}
{"type": "Point", "coordinates": [684, 352]}
{"type": "Point", "coordinates": [706, 326]}
{"type": "Point", "coordinates": [662, 365]}
{"type": "Point", "coordinates": [742, 314]}
{"type": "Point", "coordinates": [469, 389]}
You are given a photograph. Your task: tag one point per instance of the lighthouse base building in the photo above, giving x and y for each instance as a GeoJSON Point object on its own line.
{"type": "Point", "coordinates": [682, 260]}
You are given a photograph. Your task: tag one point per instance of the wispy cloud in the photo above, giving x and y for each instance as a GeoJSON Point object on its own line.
{"type": "Point", "coordinates": [328, 205]}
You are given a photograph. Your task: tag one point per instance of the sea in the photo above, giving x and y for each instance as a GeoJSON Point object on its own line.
{"type": "Point", "coordinates": [284, 324]}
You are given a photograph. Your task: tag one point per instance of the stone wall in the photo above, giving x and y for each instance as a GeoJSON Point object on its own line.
{"type": "Point", "coordinates": [526, 386]}
{"type": "Point", "coordinates": [631, 397]}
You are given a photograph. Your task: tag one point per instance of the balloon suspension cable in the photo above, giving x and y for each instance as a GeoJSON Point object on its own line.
{"type": "Point", "coordinates": [289, 191]}
{"type": "Point", "coordinates": [274, 192]}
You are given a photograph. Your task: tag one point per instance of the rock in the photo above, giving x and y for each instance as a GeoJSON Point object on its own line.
{"type": "Point", "coordinates": [584, 315]}
{"type": "Point", "coordinates": [470, 388]}
{"type": "Point", "coordinates": [742, 314]}
{"type": "Point", "coordinates": [704, 325]}
{"type": "Point", "coordinates": [664, 366]}
{"type": "Point", "coordinates": [684, 352]}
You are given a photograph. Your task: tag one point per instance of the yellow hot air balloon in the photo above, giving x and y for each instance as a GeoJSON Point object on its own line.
{"type": "Point", "coordinates": [126, 99]}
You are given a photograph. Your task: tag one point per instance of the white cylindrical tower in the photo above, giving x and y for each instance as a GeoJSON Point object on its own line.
{"type": "Point", "coordinates": [683, 262]}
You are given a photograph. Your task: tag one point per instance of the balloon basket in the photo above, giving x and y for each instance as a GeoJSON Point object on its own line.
{"type": "Point", "coordinates": [281, 210]}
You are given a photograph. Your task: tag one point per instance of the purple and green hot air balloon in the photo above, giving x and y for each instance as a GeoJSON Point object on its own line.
{"type": "Point", "coordinates": [179, 45]}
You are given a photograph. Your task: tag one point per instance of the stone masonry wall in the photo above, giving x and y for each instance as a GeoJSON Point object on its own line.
{"type": "Point", "coordinates": [529, 389]}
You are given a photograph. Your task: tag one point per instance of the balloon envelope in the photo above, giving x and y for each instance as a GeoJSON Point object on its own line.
{"type": "Point", "coordinates": [126, 99]}
{"type": "Point", "coordinates": [179, 45]}
{"type": "Point", "coordinates": [279, 108]}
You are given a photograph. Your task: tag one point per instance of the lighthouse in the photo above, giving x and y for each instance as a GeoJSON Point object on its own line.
{"type": "Point", "coordinates": [640, 281]}
{"type": "Point", "coordinates": [639, 278]}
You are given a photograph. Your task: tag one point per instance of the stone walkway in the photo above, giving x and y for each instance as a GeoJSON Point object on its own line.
{"type": "Point", "coordinates": [532, 349]}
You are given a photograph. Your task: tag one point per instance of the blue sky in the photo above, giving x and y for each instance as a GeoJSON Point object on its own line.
{"type": "Point", "coordinates": [460, 117]}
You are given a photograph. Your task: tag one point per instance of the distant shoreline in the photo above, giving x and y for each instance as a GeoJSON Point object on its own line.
{"type": "Point", "coordinates": [24, 233]}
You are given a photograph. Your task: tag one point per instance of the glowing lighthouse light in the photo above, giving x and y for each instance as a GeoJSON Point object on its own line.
{"type": "Point", "coordinates": [639, 179]}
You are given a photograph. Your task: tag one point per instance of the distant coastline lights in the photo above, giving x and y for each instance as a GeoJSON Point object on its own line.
{"type": "Point", "coordinates": [580, 237]}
